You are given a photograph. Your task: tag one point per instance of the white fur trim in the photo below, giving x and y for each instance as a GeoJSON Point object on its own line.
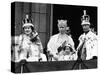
{"type": "Point", "coordinates": [28, 24]}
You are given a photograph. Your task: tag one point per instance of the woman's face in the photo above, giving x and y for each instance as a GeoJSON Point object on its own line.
{"type": "Point", "coordinates": [62, 28]}
{"type": "Point", "coordinates": [27, 30]}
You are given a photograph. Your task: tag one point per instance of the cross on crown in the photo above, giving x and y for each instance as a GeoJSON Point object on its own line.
{"type": "Point", "coordinates": [85, 18]}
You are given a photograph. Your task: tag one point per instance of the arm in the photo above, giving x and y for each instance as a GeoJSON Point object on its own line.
{"type": "Point", "coordinates": [72, 44]}
{"type": "Point", "coordinates": [94, 45]}
{"type": "Point", "coordinates": [51, 48]}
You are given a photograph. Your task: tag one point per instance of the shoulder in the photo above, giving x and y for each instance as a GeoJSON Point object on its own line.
{"type": "Point", "coordinates": [92, 35]}
{"type": "Point", "coordinates": [69, 37]}
{"type": "Point", "coordinates": [21, 36]}
{"type": "Point", "coordinates": [54, 36]}
{"type": "Point", "coordinates": [81, 37]}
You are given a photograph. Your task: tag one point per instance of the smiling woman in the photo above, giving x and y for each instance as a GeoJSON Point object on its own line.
{"type": "Point", "coordinates": [29, 44]}
{"type": "Point", "coordinates": [73, 14]}
{"type": "Point", "coordinates": [62, 40]}
{"type": "Point", "coordinates": [28, 29]}
{"type": "Point", "coordinates": [45, 36]}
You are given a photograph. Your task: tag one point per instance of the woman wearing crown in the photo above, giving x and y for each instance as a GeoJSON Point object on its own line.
{"type": "Point", "coordinates": [29, 43]}
{"type": "Point", "coordinates": [60, 44]}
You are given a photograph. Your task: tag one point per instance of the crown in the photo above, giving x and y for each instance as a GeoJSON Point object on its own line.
{"type": "Point", "coordinates": [85, 18]}
{"type": "Point", "coordinates": [62, 21]}
{"type": "Point", "coordinates": [27, 19]}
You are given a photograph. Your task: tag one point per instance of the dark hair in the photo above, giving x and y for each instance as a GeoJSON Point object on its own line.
{"type": "Point", "coordinates": [32, 28]}
{"type": "Point", "coordinates": [35, 39]}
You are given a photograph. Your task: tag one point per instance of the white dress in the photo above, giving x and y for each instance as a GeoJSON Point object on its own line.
{"type": "Point", "coordinates": [56, 41]}
{"type": "Point", "coordinates": [32, 49]}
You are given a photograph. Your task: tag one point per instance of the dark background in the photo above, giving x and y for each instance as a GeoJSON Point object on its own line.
{"type": "Point", "coordinates": [45, 20]}
{"type": "Point", "coordinates": [73, 14]}
{"type": "Point", "coordinates": [42, 19]}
